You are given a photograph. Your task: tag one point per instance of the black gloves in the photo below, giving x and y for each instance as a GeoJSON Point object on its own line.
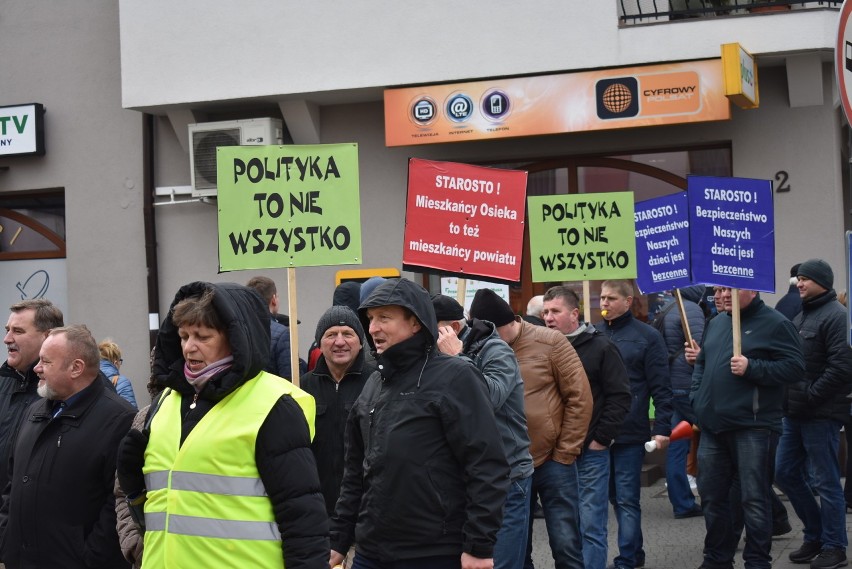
{"type": "Point", "coordinates": [131, 459]}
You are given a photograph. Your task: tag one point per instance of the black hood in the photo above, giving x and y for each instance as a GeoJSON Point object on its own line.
{"type": "Point", "coordinates": [693, 293]}
{"type": "Point", "coordinates": [405, 293]}
{"type": "Point", "coordinates": [347, 294]}
{"type": "Point", "coordinates": [246, 318]}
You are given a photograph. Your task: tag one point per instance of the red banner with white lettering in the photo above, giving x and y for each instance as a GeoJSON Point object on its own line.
{"type": "Point", "coordinates": [466, 220]}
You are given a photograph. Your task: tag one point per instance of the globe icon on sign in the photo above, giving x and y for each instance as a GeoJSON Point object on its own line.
{"type": "Point", "coordinates": [617, 98]}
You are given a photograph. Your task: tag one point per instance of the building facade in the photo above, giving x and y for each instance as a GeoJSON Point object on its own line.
{"type": "Point", "coordinates": [122, 81]}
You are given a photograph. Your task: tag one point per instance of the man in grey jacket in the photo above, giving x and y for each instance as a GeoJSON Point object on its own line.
{"type": "Point", "coordinates": [479, 341]}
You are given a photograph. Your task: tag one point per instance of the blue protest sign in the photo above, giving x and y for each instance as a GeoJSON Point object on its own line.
{"type": "Point", "coordinates": [732, 232]}
{"type": "Point", "coordinates": [662, 243]}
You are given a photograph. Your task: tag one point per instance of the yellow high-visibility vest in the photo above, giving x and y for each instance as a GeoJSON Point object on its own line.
{"type": "Point", "coordinates": [207, 506]}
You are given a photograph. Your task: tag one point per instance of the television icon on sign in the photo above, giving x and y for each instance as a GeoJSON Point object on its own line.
{"type": "Point", "coordinates": [423, 111]}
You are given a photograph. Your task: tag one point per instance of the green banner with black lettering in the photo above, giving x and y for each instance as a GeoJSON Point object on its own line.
{"type": "Point", "coordinates": [288, 206]}
{"type": "Point", "coordinates": [581, 237]}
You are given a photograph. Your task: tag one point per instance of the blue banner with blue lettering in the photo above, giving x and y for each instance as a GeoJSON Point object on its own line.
{"type": "Point", "coordinates": [662, 243]}
{"type": "Point", "coordinates": [732, 229]}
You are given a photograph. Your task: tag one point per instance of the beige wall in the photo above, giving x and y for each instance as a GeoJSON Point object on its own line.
{"type": "Point", "coordinates": [65, 55]}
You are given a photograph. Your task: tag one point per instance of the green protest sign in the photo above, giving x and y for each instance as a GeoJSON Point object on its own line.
{"type": "Point", "coordinates": [582, 237]}
{"type": "Point", "coordinates": [288, 206]}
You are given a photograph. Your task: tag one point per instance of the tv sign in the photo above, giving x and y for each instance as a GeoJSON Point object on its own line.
{"type": "Point", "coordinates": [22, 130]}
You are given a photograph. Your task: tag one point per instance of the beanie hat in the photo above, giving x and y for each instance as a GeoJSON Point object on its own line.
{"type": "Point", "coordinates": [338, 316]}
{"type": "Point", "coordinates": [447, 308]}
{"type": "Point", "coordinates": [487, 305]}
{"type": "Point", "coordinates": [818, 271]}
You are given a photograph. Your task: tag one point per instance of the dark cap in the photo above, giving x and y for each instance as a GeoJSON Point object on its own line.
{"type": "Point", "coordinates": [338, 316]}
{"type": "Point", "coordinates": [794, 270]}
{"type": "Point", "coordinates": [447, 308]}
{"type": "Point", "coordinates": [818, 271]}
{"type": "Point", "coordinates": [487, 305]}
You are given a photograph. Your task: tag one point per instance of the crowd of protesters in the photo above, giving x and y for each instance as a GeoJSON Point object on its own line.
{"type": "Point", "coordinates": [423, 436]}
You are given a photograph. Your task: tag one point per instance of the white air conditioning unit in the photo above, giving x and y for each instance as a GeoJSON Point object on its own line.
{"type": "Point", "coordinates": [206, 137]}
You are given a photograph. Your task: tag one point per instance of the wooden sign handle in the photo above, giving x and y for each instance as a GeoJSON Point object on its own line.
{"type": "Point", "coordinates": [683, 321]}
{"type": "Point", "coordinates": [735, 319]}
{"type": "Point", "coordinates": [293, 311]}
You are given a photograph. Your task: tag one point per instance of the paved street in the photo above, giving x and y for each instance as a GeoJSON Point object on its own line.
{"type": "Point", "coordinates": [676, 544]}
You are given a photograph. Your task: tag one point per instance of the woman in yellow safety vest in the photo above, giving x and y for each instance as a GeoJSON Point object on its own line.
{"type": "Point", "coordinates": [223, 470]}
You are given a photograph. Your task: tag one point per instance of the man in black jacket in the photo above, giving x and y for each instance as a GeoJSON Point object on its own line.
{"type": "Point", "coordinates": [644, 354]}
{"type": "Point", "coordinates": [425, 477]}
{"type": "Point", "coordinates": [478, 341]}
{"type": "Point", "coordinates": [27, 327]}
{"type": "Point", "coordinates": [59, 509]}
{"type": "Point", "coordinates": [815, 408]}
{"type": "Point", "coordinates": [611, 395]}
{"type": "Point", "coordinates": [336, 382]}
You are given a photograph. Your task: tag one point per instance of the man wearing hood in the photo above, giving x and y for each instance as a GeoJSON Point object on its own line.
{"type": "Point", "coordinates": [425, 478]}
{"type": "Point", "coordinates": [224, 467]}
{"type": "Point", "coordinates": [478, 341]}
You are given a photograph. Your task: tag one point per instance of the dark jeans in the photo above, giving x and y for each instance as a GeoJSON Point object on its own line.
{"type": "Point", "coordinates": [680, 494]}
{"type": "Point", "coordinates": [747, 455]}
{"type": "Point", "coordinates": [624, 492]}
{"type": "Point", "coordinates": [847, 487]}
{"type": "Point", "coordinates": [813, 443]}
{"type": "Point", "coordinates": [557, 486]}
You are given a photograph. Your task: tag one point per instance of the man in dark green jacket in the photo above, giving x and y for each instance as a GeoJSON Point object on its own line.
{"type": "Point", "coordinates": [737, 400]}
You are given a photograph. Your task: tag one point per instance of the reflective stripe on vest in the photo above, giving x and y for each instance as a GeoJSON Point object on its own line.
{"type": "Point", "coordinates": [206, 503]}
{"type": "Point", "coordinates": [210, 483]}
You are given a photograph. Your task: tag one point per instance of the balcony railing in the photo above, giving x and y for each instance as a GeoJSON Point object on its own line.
{"type": "Point", "coordinates": [650, 11]}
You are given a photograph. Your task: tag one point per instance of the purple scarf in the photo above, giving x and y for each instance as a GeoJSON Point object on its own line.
{"type": "Point", "coordinates": [199, 380]}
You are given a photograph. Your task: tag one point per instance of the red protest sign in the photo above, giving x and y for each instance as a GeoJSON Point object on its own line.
{"type": "Point", "coordinates": [467, 220]}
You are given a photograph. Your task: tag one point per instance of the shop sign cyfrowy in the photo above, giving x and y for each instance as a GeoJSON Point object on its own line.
{"type": "Point", "coordinates": [580, 237]}
{"type": "Point", "coordinates": [288, 206]}
{"type": "Point", "coordinates": [22, 130]}
{"type": "Point", "coordinates": [733, 232]}
{"type": "Point", "coordinates": [465, 220]}
{"type": "Point", "coordinates": [669, 93]}
{"type": "Point", "coordinates": [662, 243]}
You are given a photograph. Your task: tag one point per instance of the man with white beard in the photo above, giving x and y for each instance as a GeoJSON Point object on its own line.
{"type": "Point", "coordinates": [58, 510]}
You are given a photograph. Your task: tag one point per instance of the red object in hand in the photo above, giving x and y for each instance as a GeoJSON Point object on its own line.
{"type": "Point", "coordinates": [682, 430]}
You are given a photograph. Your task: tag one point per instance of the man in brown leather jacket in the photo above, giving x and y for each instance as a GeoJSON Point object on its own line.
{"type": "Point", "coordinates": [558, 403]}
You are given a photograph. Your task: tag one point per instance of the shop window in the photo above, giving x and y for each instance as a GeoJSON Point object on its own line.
{"type": "Point", "coordinates": [32, 247]}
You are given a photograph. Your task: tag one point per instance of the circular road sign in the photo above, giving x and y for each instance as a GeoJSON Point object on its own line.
{"type": "Point", "coordinates": [843, 58]}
